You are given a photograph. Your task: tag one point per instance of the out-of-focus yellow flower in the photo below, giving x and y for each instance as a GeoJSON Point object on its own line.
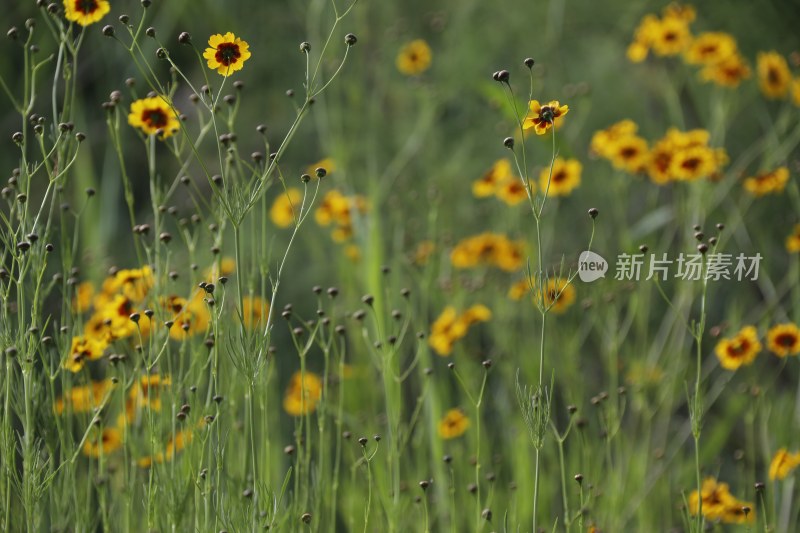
{"type": "Point", "coordinates": [559, 295]}
{"type": "Point", "coordinates": [327, 163]}
{"type": "Point", "coordinates": [108, 441]}
{"type": "Point", "coordinates": [739, 350]}
{"type": "Point", "coordinates": [773, 181]}
{"type": "Point", "coordinates": [286, 208]}
{"type": "Point", "coordinates": [793, 240]}
{"type": "Point", "coordinates": [226, 53]}
{"type": "Point", "coordinates": [728, 72]}
{"type": "Point", "coordinates": [134, 284]}
{"type": "Point", "coordinates": [541, 117]}
{"type": "Point", "coordinates": [513, 192]}
{"type": "Point", "coordinates": [487, 249]}
{"type": "Point", "coordinates": [337, 209]}
{"type": "Point", "coordinates": [147, 392]}
{"type": "Point", "coordinates": [783, 463]}
{"type": "Point", "coordinates": [710, 48]}
{"type": "Point", "coordinates": [489, 183]}
{"type": "Point", "coordinates": [784, 339]}
{"type": "Point", "coordinates": [82, 300]}
{"type": "Point", "coordinates": [720, 504]}
{"type": "Point", "coordinates": [225, 267]}
{"type": "Point", "coordinates": [353, 252]}
{"type": "Point", "coordinates": [255, 312]}
{"type": "Point", "coordinates": [414, 58]}
{"type": "Point", "coordinates": [154, 116]}
{"type": "Point", "coordinates": [774, 76]}
{"type": "Point", "coordinates": [454, 424]}
{"type": "Point", "coordinates": [519, 289]}
{"type": "Point", "coordinates": [603, 142]}
{"type": "Point", "coordinates": [86, 12]}
{"type": "Point", "coordinates": [451, 326]}
{"type": "Point", "coordinates": [671, 36]}
{"type": "Point", "coordinates": [693, 163]}
{"type": "Point", "coordinates": [84, 398]}
{"type": "Point", "coordinates": [302, 394]}
{"type": "Point", "coordinates": [189, 317]}
{"type": "Point", "coordinates": [566, 177]}
{"type": "Point", "coordinates": [684, 156]}
{"type": "Point", "coordinates": [83, 349]}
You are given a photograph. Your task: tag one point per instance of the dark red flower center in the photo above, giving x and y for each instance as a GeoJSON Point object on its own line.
{"type": "Point", "coordinates": [737, 349]}
{"type": "Point", "coordinates": [559, 176]}
{"type": "Point", "coordinates": [773, 76]}
{"type": "Point", "coordinates": [86, 7]}
{"type": "Point", "coordinates": [692, 163]}
{"type": "Point", "coordinates": [786, 339]}
{"type": "Point", "coordinates": [548, 114]}
{"type": "Point", "coordinates": [155, 118]}
{"type": "Point", "coordinates": [227, 53]}
{"type": "Point", "coordinates": [628, 152]}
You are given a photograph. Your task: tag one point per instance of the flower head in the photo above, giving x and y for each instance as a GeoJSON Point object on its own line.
{"type": "Point", "coordinates": [226, 53]}
{"type": "Point", "coordinates": [784, 339]}
{"type": "Point", "coordinates": [83, 348]}
{"type": "Point", "coordinates": [109, 440]}
{"type": "Point", "coordinates": [740, 350]}
{"type": "Point", "coordinates": [255, 312]}
{"type": "Point", "coordinates": [774, 76]}
{"type": "Point", "coordinates": [284, 210]}
{"type": "Point", "coordinates": [414, 58]}
{"type": "Point", "coordinates": [767, 182]}
{"type": "Point", "coordinates": [566, 176]}
{"type": "Point", "coordinates": [710, 48]}
{"type": "Point", "coordinates": [541, 117]}
{"type": "Point", "coordinates": [783, 463]}
{"type": "Point", "coordinates": [454, 424]}
{"type": "Point", "coordinates": [728, 72]}
{"type": "Point", "coordinates": [154, 116]}
{"type": "Point", "coordinates": [719, 503]}
{"type": "Point", "coordinates": [302, 394]}
{"type": "Point", "coordinates": [85, 12]}
{"type": "Point", "coordinates": [559, 295]}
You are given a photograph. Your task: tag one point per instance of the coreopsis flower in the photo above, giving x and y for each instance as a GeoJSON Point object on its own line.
{"type": "Point", "coordinates": [693, 163]}
{"type": "Point", "coordinates": [255, 312]}
{"type": "Point", "coordinates": [604, 141]}
{"type": "Point", "coordinates": [451, 326]}
{"type": "Point", "coordinates": [512, 192]}
{"type": "Point", "coordinates": [710, 48]}
{"type": "Point", "coordinates": [565, 178]}
{"type": "Point", "coordinates": [487, 249]}
{"type": "Point", "coordinates": [302, 394]}
{"type": "Point", "coordinates": [154, 116]}
{"type": "Point", "coordinates": [783, 463]}
{"type": "Point", "coordinates": [84, 349]}
{"type": "Point", "coordinates": [86, 12]}
{"type": "Point", "coordinates": [285, 209]}
{"type": "Point", "coordinates": [104, 443]}
{"type": "Point", "coordinates": [327, 163]}
{"type": "Point", "coordinates": [84, 398]}
{"type": "Point", "coordinates": [774, 76]}
{"type": "Point", "coordinates": [82, 300]}
{"type": "Point", "coordinates": [793, 240]}
{"type": "Point", "coordinates": [558, 296]}
{"type": "Point", "coordinates": [226, 53]}
{"type": "Point", "coordinates": [719, 503]}
{"type": "Point", "coordinates": [146, 392]}
{"type": "Point", "coordinates": [414, 58]}
{"type": "Point", "coordinates": [784, 339]}
{"type": "Point", "coordinates": [519, 289]}
{"type": "Point", "coordinates": [671, 36]}
{"type": "Point", "coordinates": [488, 184]}
{"type": "Point", "coordinates": [224, 267]}
{"type": "Point", "coordinates": [541, 117]}
{"type": "Point", "coordinates": [773, 181]}
{"type": "Point", "coordinates": [629, 153]}
{"type": "Point", "coordinates": [454, 424]}
{"type": "Point", "coordinates": [728, 72]}
{"type": "Point", "coordinates": [739, 350]}
{"type": "Point", "coordinates": [190, 317]}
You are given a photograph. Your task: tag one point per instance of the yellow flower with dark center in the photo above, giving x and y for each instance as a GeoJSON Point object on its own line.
{"type": "Point", "coordinates": [783, 463]}
{"type": "Point", "coordinates": [83, 349]}
{"type": "Point", "coordinates": [226, 53]}
{"type": "Point", "coordinates": [541, 117]}
{"type": "Point", "coordinates": [255, 312]}
{"type": "Point", "coordinates": [660, 162]}
{"type": "Point", "coordinates": [629, 153]}
{"type": "Point", "coordinates": [767, 182]}
{"type": "Point", "coordinates": [414, 58]}
{"type": "Point", "coordinates": [710, 48]}
{"type": "Point", "coordinates": [108, 441]}
{"type": "Point", "coordinates": [487, 249]}
{"type": "Point", "coordinates": [671, 36]}
{"type": "Point", "coordinates": [728, 72]}
{"type": "Point", "coordinates": [134, 284]}
{"type": "Point", "coordinates": [604, 142]}
{"type": "Point", "coordinates": [454, 424]}
{"type": "Point", "coordinates": [82, 300]}
{"type": "Point", "coordinates": [84, 398]}
{"type": "Point", "coordinates": [784, 339]}
{"type": "Point", "coordinates": [513, 192]}
{"type": "Point", "coordinates": [113, 320]}
{"type": "Point", "coordinates": [774, 76]}
{"type": "Point", "coordinates": [643, 37]}
{"type": "Point", "coordinates": [693, 163]}
{"type": "Point", "coordinates": [490, 182]}
{"type": "Point", "coordinates": [720, 504]}
{"type": "Point", "coordinates": [451, 326]}
{"type": "Point", "coordinates": [565, 178]}
{"type": "Point", "coordinates": [793, 240]}
{"type": "Point", "coordinates": [740, 350]}
{"type": "Point", "coordinates": [302, 394]}
{"type": "Point", "coordinates": [559, 295]}
{"type": "Point", "coordinates": [85, 12]}
{"type": "Point", "coordinates": [154, 116]}
{"type": "Point", "coordinates": [190, 317]}
{"type": "Point", "coordinates": [286, 208]}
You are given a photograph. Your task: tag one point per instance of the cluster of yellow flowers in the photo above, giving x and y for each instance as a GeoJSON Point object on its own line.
{"type": "Point", "coordinates": [337, 209]}
{"type": "Point", "coordinates": [303, 394]}
{"type": "Point", "coordinates": [501, 182]}
{"type": "Point", "coordinates": [451, 326]}
{"type": "Point", "coordinates": [678, 156]}
{"type": "Point", "coordinates": [559, 293]}
{"type": "Point", "coordinates": [742, 348]}
{"type": "Point", "coordinates": [783, 463]}
{"type": "Point", "coordinates": [488, 249]}
{"type": "Point", "coordinates": [715, 52]}
{"type": "Point", "coordinates": [720, 504]}
{"type": "Point", "coordinates": [770, 182]}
